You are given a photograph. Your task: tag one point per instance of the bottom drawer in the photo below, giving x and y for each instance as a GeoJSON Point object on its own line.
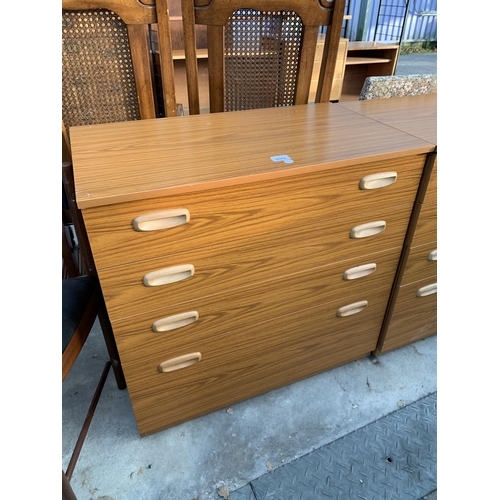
{"type": "Point", "coordinates": [413, 318]}
{"type": "Point", "coordinates": [243, 363]}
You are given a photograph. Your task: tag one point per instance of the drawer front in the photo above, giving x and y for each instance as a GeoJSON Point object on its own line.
{"type": "Point", "coordinates": [413, 318]}
{"type": "Point", "coordinates": [242, 211]}
{"type": "Point", "coordinates": [209, 316]}
{"type": "Point", "coordinates": [431, 192]}
{"type": "Point", "coordinates": [243, 262]}
{"type": "Point", "coordinates": [246, 362]}
{"type": "Point", "coordinates": [421, 264]}
{"type": "Point", "coordinates": [426, 229]}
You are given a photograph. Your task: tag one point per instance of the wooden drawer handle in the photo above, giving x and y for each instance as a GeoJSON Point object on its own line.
{"type": "Point", "coordinates": [351, 309]}
{"type": "Point", "coordinates": [376, 181]}
{"type": "Point", "coordinates": [368, 229]}
{"type": "Point", "coordinates": [168, 275]}
{"type": "Point", "coordinates": [161, 220]}
{"type": "Point", "coordinates": [180, 362]}
{"type": "Point", "coordinates": [359, 272]}
{"type": "Point", "coordinates": [175, 321]}
{"type": "Point", "coordinates": [433, 255]}
{"type": "Point", "coordinates": [427, 290]}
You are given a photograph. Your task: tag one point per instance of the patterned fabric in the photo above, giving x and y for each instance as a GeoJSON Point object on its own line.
{"type": "Point", "coordinates": [384, 87]}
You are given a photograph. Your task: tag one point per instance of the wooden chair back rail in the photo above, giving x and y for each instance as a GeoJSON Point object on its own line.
{"type": "Point", "coordinates": [215, 15]}
{"type": "Point", "coordinates": [166, 57]}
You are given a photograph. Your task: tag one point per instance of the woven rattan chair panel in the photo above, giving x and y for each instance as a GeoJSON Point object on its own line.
{"type": "Point", "coordinates": [98, 83]}
{"type": "Point", "coordinates": [261, 59]}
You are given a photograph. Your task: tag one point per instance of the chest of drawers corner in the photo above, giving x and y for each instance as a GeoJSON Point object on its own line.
{"type": "Point", "coordinates": [412, 309]}
{"type": "Point", "coordinates": [227, 274]}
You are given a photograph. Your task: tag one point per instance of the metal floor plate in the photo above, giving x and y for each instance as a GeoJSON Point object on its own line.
{"type": "Point", "coordinates": [391, 458]}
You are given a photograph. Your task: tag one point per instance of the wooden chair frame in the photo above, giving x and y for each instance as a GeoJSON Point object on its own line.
{"type": "Point", "coordinates": [95, 308]}
{"type": "Point", "coordinates": [214, 14]}
{"type": "Point", "coordinates": [138, 16]}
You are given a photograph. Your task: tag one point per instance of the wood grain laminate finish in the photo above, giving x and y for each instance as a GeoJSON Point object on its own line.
{"type": "Point", "coordinates": [404, 322]}
{"type": "Point", "coordinates": [338, 75]}
{"type": "Point", "coordinates": [414, 318]}
{"type": "Point", "coordinates": [426, 229]}
{"type": "Point", "coordinates": [243, 363]}
{"type": "Point", "coordinates": [431, 192]}
{"type": "Point", "coordinates": [150, 158]}
{"type": "Point", "coordinates": [416, 115]}
{"type": "Point", "coordinates": [238, 263]}
{"type": "Point", "coordinates": [265, 246]}
{"type": "Point", "coordinates": [244, 211]}
{"type": "Point", "coordinates": [418, 266]}
{"type": "Point", "coordinates": [237, 307]}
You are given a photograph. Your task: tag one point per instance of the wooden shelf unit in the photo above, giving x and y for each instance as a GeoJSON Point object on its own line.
{"type": "Point", "coordinates": [366, 59]}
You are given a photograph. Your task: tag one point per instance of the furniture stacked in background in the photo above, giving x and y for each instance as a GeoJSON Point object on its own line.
{"type": "Point", "coordinates": [355, 61]}
{"type": "Point", "coordinates": [260, 52]}
{"type": "Point", "coordinates": [365, 59]}
{"type": "Point", "coordinates": [238, 261]}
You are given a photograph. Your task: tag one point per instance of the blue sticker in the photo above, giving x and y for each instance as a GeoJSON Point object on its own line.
{"type": "Point", "coordinates": [284, 158]}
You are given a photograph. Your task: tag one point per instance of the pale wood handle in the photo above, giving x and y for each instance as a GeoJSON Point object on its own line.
{"type": "Point", "coordinates": [368, 229]}
{"type": "Point", "coordinates": [427, 290]}
{"type": "Point", "coordinates": [161, 220]}
{"type": "Point", "coordinates": [358, 272]}
{"type": "Point", "coordinates": [376, 181]}
{"type": "Point", "coordinates": [433, 255]}
{"type": "Point", "coordinates": [351, 309]}
{"type": "Point", "coordinates": [175, 321]}
{"type": "Point", "coordinates": [168, 275]}
{"type": "Point", "coordinates": [180, 362]}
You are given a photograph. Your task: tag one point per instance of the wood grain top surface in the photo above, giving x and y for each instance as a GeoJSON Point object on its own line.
{"type": "Point", "coordinates": [144, 159]}
{"type": "Point", "coordinates": [416, 115]}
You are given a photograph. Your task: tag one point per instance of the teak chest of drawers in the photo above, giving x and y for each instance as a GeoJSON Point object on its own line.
{"type": "Point", "coordinates": [411, 314]}
{"type": "Point", "coordinates": [227, 274]}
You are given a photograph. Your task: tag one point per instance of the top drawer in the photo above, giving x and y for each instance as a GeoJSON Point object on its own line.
{"type": "Point", "coordinates": [235, 212]}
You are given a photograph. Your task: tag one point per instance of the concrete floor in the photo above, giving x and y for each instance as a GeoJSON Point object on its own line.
{"type": "Point", "coordinates": [410, 64]}
{"type": "Point", "coordinates": [192, 460]}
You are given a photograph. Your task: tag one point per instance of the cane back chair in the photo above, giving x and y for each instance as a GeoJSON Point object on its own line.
{"type": "Point", "coordinates": [261, 52]}
{"type": "Point", "coordinates": [107, 62]}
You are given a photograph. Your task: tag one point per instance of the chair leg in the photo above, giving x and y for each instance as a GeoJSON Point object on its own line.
{"type": "Point", "coordinates": [107, 332]}
{"type": "Point", "coordinates": [67, 491]}
{"type": "Point", "coordinates": [86, 424]}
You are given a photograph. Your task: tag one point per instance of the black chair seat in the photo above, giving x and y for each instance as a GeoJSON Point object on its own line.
{"type": "Point", "coordinates": [76, 293]}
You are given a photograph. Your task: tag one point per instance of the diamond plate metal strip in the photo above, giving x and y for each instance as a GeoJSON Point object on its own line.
{"type": "Point", "coordinates": [244, 493]}
{"type": "Point", "coordinates": [391, 458]}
